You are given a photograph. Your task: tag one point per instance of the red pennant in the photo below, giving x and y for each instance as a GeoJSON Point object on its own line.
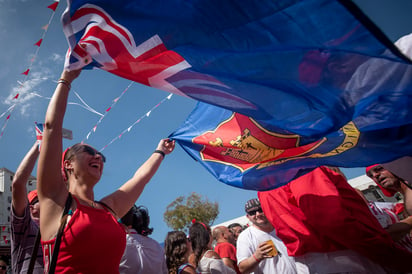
{"type": "Point", "coordinates": [26, 72]}
{"type": "Point", "coordinates": [8, 117]}
{"type": "Point", "coordinates": [108, 109]}
{"type": "Point", "coordinates": [53, 6]}
{"type": "Point", "coordinates": [38, 43]}
{"type": "Point", "coordinates": [17, 96]}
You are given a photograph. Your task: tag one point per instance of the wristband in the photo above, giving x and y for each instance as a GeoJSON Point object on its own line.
{"type": "Point", "coordinates": [64, 82]}
{"type": "Point", "coordinates": [160, 152]}
{"type": "Point", "coordinates": [255, 258]}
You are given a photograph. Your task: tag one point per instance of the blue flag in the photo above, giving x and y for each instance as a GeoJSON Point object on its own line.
{"type": "Point", "coordinates": [309, 67]}
{"type": "Point", "coordinates": [246, 153]}
{"type": "Point", "coordinates": [318, 82]}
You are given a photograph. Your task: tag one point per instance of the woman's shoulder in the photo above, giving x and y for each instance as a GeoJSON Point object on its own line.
{"type": "Point", "coordinates": [211, 254]}
{"type": "Point", "coordinates": [186, 268]}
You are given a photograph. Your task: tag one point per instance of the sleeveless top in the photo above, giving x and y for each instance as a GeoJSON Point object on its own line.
{"type": "Point", "coordinates": [183, 266]}
{"type": "Point", "coordinates": [92, 242]}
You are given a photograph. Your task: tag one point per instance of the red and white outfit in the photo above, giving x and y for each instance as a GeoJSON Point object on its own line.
{"type": "Point", "coordinates": [385, 214]}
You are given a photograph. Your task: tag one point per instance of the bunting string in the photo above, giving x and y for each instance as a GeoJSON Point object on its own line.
{"type": "Point", "coordinates": [10, 110]}
{"type": "Point", "coordinates": [137, 121]}
{"type": "Point", "coordinates": [107, 111]}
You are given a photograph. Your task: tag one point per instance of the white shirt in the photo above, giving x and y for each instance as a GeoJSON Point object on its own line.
{"type": "Point", "coordinates": [248, 242]}
{"type": "Point", "coordinates": [142, 255]}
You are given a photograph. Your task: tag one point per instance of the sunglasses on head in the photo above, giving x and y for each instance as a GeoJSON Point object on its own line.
{"type": "Point", "coordinates": [91, 151]}
{"type": "Point", "coordinates": [253, 212]}
{"type": "Point", "coordinates": [3, 267]}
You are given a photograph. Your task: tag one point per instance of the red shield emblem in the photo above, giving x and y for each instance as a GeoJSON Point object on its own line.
{"type": "Point", "coordinates": [244, 144]}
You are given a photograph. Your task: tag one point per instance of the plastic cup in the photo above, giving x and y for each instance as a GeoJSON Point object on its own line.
{"type": "Point", "coordinates": [274, 251]}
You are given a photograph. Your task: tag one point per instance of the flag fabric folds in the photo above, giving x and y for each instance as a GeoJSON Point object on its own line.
{"type": "Point", "coordinates": [247, 153]}
{"type": "Point", "coordinates": [293, 63]}
{"type": "Point", "coordinates": [316, 80]}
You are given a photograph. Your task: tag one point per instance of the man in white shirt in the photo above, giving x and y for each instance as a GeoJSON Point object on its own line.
{"type": "Point", "coordinates": [254, 254]}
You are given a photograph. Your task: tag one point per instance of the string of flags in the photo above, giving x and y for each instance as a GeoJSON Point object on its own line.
{"type": "Point", "coordinates": [10, 110]}
{"type": "Point", "coordinates": [107, 111]}
{"type": "Point", "coordinates": [137, 121]}
{"type": "Point", "coordinates": [8, 113]}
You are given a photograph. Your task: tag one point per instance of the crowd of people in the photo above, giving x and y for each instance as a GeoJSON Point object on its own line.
{"type": "Point", "coordinates": [317, 223]}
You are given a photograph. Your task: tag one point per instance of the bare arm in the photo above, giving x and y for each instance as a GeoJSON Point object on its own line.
{"type": "Point", "coordinates": [248, 265]}
{"type": "Point", "coordinates": [189, 270]}
{"type": "Point", "coordinates": [50, 185]}
{"type": "Point", "coordinates": [124, 198]}
{"type": "Point", "coordinates": [407, 197]}
{"type": "Point", "coordinates": [229, 262]}
{"type": "Point", "coordinates": [19, 191]}
{"type": "Point", "coordinates": [400, 229]}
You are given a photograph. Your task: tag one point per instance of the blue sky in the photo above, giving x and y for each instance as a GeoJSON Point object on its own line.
{"type": "Point", "coordinates": [21, 23]}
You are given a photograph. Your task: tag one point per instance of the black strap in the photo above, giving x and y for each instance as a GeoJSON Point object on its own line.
{"type": "Point", "coordinates": [106, 206]}
{"type": "Point", "coordinates": [34, 253]}
{"type": "Point", "coordinates": [56, 248]}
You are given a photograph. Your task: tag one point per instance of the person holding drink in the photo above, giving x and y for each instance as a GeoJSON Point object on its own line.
{"type": "Point", "coordinates": [259, 250]}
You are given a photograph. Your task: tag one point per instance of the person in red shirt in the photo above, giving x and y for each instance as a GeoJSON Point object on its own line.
{"type": "Point", "coordinates": [224, 246]}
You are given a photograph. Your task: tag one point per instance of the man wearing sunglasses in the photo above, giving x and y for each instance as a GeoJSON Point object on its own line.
{"type": "Point", "coordinates": [254, 253]}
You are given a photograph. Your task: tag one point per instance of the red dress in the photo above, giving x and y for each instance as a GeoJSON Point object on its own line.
{"type": "Point", "coordinates": [92, 242]}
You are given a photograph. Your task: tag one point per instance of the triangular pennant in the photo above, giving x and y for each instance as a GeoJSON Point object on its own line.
{"type": "Point", "coordinates": [38, 43]}
{"type": "Point", "coordinates": [53, 6]}
{"type": "Point", "coordinates": [147, 114]}
{"type": "Point", "coordinates": [108, 109]}
{"type": "Point", "coordinates": [26, 72]}
{"type": "Point", "coordinates": [45, 27]}
{"type": "Point", "coordinates": [17, 96]}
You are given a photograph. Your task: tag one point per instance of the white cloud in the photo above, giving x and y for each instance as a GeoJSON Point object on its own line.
{"type": "Point", "coordinates": [27, 90]}
{"type": "Point", "coordinates": [57, 58]}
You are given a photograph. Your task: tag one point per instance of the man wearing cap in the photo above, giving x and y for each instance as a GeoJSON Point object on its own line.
{"type": "Point", "coordinates": [254, 253]}
{"type": "Point", "coordinates": [25, 217]}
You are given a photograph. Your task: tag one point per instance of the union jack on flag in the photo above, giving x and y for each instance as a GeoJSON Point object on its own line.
{"type": "Point", "coordinates": [311, 69]}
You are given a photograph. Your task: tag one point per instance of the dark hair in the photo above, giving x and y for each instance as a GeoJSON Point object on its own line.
{"type": "Point", "coordinates": [175, 250]}
{"type": "Point", "coordinates": [234, 225]}
{"type": "Point", "coordinates": [70, 152]}
{"type": "Point", "coordinates": [199, 235]}
{"type": "Point", "coordinates": [138, 217]}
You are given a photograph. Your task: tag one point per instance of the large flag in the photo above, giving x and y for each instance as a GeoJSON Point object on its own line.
{"type": "Point", "coordinates": [307, 67]}
{"type": "Point", "coordinates": [247, 153]}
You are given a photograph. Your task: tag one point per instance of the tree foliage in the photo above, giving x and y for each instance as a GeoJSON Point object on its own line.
{"type": "Point", "coordinates": [180, 213]}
